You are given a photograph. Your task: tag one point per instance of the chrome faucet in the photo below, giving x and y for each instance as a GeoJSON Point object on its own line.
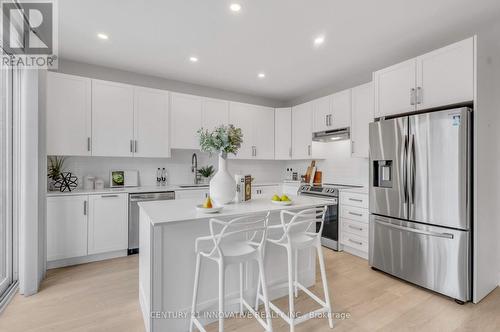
{"type": "Point", "coordinates": [194, 167]}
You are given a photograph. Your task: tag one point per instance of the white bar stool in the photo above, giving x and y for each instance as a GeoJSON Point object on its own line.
{"type": "Point", "coordinates": [235, 243]}
{"type": "Point", "coordinates": [296, 236]}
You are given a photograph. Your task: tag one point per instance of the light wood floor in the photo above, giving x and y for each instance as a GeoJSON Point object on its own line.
{"type": "Point", "coordinates": [103, 296]}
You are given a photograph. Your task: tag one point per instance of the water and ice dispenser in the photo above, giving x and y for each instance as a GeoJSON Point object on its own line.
{"type": "Point", "coordinates": [382, 173]}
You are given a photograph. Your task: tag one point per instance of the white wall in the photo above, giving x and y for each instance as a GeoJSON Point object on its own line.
{"type": "Point", "coordinates": [487, 163]}
{"type": "Point", "coordinates": [116, 75]}
{"type": "Point", "coordinates": [178, 167]}
{"type": "Point", "coordinates": [338, 166]}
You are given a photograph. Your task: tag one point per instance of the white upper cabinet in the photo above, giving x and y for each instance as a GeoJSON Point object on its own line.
{"type": "Point", "coordinates": [361, 116]}
{"type": "Point", "coordinates": [446, 76]}
{"type": "Point", "coordinates": [322, 113]}
{"type": "Point", "coordinates": [151, 123]}
{"type": "Point", "coordinates": [112, 119]}
{"type": "Point", "coordinates": [66, 227]}
{"type": "Point", "coordinates": [241, 116]}
{"type": "Point", "coordinates": [302, 131]}
{"type": "Point", "coordinates": [341, 110]}
{"type": "Point", "coordinates": [108, 223]}
{"type": "Point", "coordinates": [257, 126]}
{"type": "Point", "coordinates": [283, 133]}
{"type": "Point", "coordinates": [68, 115]}
{"type": "Point", "coordinates": [186, 116]}
{"type": "Point", "coordinates": [439, 78]}
{"type": "Point", "coordinates": [215, 112]}
{"type": "Point", "coordinates": [263, 132]}
{"type": "Point", "coordinates": [394, 89]}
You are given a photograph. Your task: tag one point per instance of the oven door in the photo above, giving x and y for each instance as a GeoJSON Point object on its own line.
{"type": "Point", "coordinates": [330, 234]}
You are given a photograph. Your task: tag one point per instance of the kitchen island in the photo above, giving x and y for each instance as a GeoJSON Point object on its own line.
{"type": "Point", "coordinates": [168, 230]}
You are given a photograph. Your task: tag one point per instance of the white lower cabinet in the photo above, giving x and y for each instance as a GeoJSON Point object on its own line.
{"type": "Point", "coordinates": [82, 225]}
{"type": "Point", "coordinates": [354, 216]}
{"type": "Point", "coordinates": [108, 223]}
{"type": "Point", "coordinates": [66, 227]}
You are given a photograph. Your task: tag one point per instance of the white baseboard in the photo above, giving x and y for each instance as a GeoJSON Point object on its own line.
{"type": "Point", "coordinates": [85, 259]}
{"type": "Point", "coordinates": [356, 252]}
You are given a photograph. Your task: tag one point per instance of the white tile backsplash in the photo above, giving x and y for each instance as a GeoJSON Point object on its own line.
{"type": "Point", "coordinates": [338, 165]}
{"type": "Point", "coordinates": [178, 167]}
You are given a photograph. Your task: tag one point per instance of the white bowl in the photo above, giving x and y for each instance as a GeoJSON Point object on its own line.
{"type": "Point", "coordinates": [214, 209]}
{"type": "Point", "coordinates": [284, 203]}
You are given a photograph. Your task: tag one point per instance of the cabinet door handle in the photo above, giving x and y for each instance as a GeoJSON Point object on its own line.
{"type": "Point", "coordinates": [255, 149]}
{"type": "Point", "coordinates": [108, 196]}
{"type": "Point", "coordinates": [84, 208]}
{"type": "Point", "coordinates": [329, 120]}
{"type": "Point", "coordinates": [132, 146]}
{"type": "Point", "coordinates": [355, 199]}
{"type": "Point", "coordinates": [88, 144]}
{"type": "Point", "coordinates": [412, 96]}
{"type": "Point", "coordinates": [326, 120]}
{"type": "Point", "coordinates": [356, 242]}
{"type": "Point", "coordinates": [355, 214]}
{"type": "Point", "coordinates": [420, 96]}
{"type": "Point", "coordinates": [356, 228]}
{"type": "Point", "coordinates": [352, 146]}
{"type": "Point", "coordinates": [308, 150]}
{"type": "Point", "coordinates": [290, 152]}
{"type": "Point", "coordinates": [135, 146]}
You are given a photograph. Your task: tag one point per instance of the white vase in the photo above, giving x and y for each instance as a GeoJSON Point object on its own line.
{"type": "Point", "coordinates": [222, 185]}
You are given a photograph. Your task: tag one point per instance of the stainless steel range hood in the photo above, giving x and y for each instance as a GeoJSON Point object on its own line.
{"type": "Point", "coordinates": [332, 135]}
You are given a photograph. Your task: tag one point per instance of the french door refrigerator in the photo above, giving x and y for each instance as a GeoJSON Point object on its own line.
{"type": "Point", "coordinates": [420, 201]}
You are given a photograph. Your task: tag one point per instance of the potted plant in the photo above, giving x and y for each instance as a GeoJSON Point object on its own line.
{"type": "Point", "coordinates": [54, 169]}
{"type": "Point", "coordinates": [222, 141]}
{"type": "Point", "coordinates": [206, 173]}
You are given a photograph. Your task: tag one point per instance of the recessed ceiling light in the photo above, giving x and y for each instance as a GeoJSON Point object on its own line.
{"type": "Point", "coordinates": [235, 7]}
{"type": "Point", "coordinates": [102, 36]}
{"type": "Point", "coordinates": [261, 75]}
{"type": "Point", "coordinates": [319, 40]}
{"type": "Point", "coordinates": [193, 59]}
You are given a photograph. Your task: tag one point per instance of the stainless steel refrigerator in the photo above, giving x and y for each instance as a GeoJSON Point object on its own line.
{"type": "Point", "coordinates": [420, 200]}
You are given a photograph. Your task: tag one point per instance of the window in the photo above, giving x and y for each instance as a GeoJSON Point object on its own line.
{"type": "Point", "coordinates": [7, 238]}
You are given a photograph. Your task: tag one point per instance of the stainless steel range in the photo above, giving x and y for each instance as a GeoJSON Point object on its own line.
{"type": "Point", "coordinates": [330, 235]}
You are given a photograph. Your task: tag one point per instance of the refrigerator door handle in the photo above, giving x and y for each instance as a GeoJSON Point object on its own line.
{"type": "Point", "coordinates": [404, 154]}
{"type": "Point", "coordinates": [413, 230]}
{"type": "Point", "coordinates": [413, 165]}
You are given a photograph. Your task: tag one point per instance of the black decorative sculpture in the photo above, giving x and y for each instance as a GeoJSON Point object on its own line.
{"type": "Point", "coordinates": [66, 181]}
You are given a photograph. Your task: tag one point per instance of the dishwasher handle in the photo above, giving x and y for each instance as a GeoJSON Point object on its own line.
{"type": "Point", "coordinates": [152, 197]}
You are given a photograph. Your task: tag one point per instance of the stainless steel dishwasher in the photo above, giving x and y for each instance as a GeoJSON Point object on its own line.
{"type": "Point", "coordinates": [133, 215]}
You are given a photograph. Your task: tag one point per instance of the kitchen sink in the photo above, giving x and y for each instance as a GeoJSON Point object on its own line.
{"type": "Point", "coordinates": [193, 186]}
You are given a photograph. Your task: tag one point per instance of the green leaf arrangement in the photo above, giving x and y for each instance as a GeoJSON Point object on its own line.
{"type": "Point", "coordinates": [206, 171]}
{"type": "Point", "coordinates": [55, 167]}
{"type": "Point", "coordinates": [223, 139]}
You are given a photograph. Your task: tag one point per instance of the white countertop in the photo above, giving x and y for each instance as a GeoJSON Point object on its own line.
{"type": "Point", "coordinates": [141, 189]}
{"type": "Point", "coordinates": [163, 212]}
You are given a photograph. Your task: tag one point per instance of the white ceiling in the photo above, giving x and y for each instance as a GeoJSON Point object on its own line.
{"type": "Point", "coordinates": [157, 37]}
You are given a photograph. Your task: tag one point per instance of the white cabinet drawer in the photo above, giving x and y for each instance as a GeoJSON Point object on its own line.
{"type": "Point", "coordinates": [354, 213]}
{"type": "Point", "coordinates": [355, 241]}
{"type": "Point", "coordinates": [354, 199]}
{"type": "Point", "coordinates": [355, 227]}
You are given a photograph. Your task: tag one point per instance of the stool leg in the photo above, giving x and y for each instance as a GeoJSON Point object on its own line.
{"type": "Point", "coordinates": [325, 283]}
{"type": "Point", "coordinates": [195, 290]}
{"type": "Point", "coordinates": [257, 297]}
{"type": "Point", "coordinates": [241, 289]}
{"type": "Point", "coordinates": [289, 253]}
{"type": "Point", "coordinates": [262, 277]}
{"type": "Point", "coordinates": [295, 267]}
{"type": "Point", "coordinates": [221, 296]}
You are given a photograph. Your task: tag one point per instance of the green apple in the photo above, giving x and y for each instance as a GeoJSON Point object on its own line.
{"type": "Point", "coordinates": [276, 198]}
